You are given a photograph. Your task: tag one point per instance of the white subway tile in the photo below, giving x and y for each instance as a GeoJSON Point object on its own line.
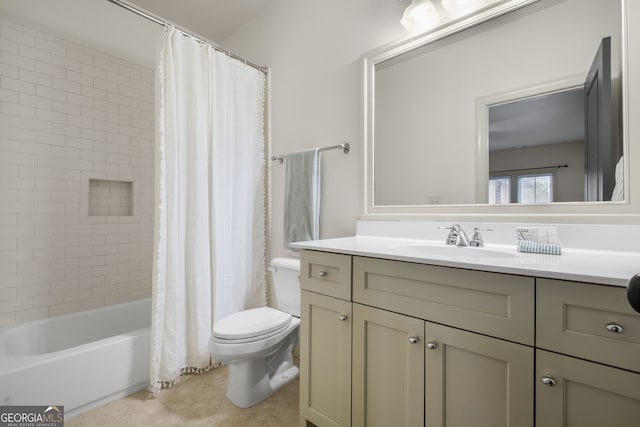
{"type": "Point", "coordinates": [32, 290]}
{"type": "Point", "coordinates": [18, 36]}
{"type": "Point", "coordinates": [51, 116]}
{"type": "Point", "coordinates": [17, 60]}
{"type": "Point", "coordinates": [34, 124]}
{"type": "Point", "coordinates": [51, 46]}
{"type": "Point", "coordinates": [8, 219]}
{"type": "Point", "coordinates": [65, 308]}
{"type": "Point", "coordinates": [47, 300]}
{"type": "Point", "coordinates": [130, 92]}
{"type": "Point", "coordinates": [88, 304]}
{"type": "Point", "coordinates": [102, 84]}
{"type": "Point", "coordinates": [35, 172]}
{"type": "Point", "coordinates": [10, 71]}
{"type": "Point", "coordinates": [32, 266]}
{"type": "Point", "coordinates": [35, 101]}
{"type": "Point", "coordinates": [94, 134]}
{"type": "Point", "coordinates": [11, 244]}
{"type": "Point", "coordinates": [8, 294]}
{"type": "Point", "coordinates": [51, 93]}
{"type": "Point", "coordinates": [34, 77]}
{"type": "Point", "coordinates": [66, 86]}
{"type": "Point", "coordinates": [105, 63]}
{"type": "Point", "coordinates": [50, 70]}
{"type": "Point", "coordinates": [32, 314]}
{"type": "Point", "coordinates": [33, 53]}
{"type": "Point", "coordinates": [15, 281]}
{"type": "Point", "coordinates": [82, 56]}
{"type": "Point", "coordinates": [65, 107]}
{"type": "Point", "coordinates": [17, 109]}
{"type": "Point", "coordinates": [114, 279]}
{"type": "Point", "coordinates": [78, 295]}
{"type": "Point", "coordinates": [15, 305]}
{"type": "Point", "coordinates": [66, 63]}
{"type": "Point", "coordinates": [18, 256]}
{"type": "Point", "coordinates": [104, 291]}
{"type": "Point", "coordinates": [17, 85]}
{"type": "Point", "coordinates": [77, 99]}
{"type": "Point", "coordinates": [79, 121]}
{"type": "Point", "coordinates": [9, 95]}
{"type": "Point", "coordinates": [52, 162]}
{"type": "Point", "coordinates": [79, 273]}
{"type": "Point", "coordinates": [18, 158]}
{"type": "Point", "coordinates": [93, 113]}
{"type": "Point", "coordinates": [48, 230]}
{"type": "Point", "coordinates": [96, 94]}
{"type": "Point", "coordinates": [8, 46]}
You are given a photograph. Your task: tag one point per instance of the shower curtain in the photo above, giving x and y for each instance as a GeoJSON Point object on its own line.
{"type": "Point", "coordinates": [209, 247]}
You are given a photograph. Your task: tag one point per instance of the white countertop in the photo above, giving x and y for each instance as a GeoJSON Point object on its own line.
{"type": "Point", "coordinates": [593, 266]}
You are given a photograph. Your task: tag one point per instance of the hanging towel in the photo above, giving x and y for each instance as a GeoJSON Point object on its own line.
{"type": "Point", "coordinates": [302, 197]}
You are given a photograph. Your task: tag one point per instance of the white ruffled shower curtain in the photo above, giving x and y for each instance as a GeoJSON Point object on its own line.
{"type": "Point", "coordinates": [209, 248]}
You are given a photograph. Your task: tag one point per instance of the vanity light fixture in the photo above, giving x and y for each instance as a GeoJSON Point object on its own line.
{"type": "Point", "coordinates": [420, 15]}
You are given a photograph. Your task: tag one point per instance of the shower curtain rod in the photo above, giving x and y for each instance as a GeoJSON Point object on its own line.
{"type": "Point", "coordinates": [150, 17]}
{"type": "Point", "coordinates": [344, 147]}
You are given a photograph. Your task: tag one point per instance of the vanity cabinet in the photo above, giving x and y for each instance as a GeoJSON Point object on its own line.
{"type": "Point", "coordinates": [434, 346]}
{"type": "Point", "coordinates": [325, 339]}
{"type": "Point", "coordinates": [388, 368]}
{"type": "Point", "coordinates": [476, 380]}
{"type": "Point", "coordinates": [595, 323]}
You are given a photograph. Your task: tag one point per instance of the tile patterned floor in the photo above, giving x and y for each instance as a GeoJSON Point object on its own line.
{"type": "Point", "coordinates": [198, 400]}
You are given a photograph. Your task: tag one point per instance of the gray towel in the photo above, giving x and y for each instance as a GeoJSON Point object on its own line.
{"type": "Point", "coordinates": [302, 197]}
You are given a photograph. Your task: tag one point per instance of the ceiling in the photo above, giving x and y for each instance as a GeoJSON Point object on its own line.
{"type": "Point", "coordinates": [213, 19]}
{"type": "Point", "coordinates": [103, 25]}
{"type": "Point", "coordinates": [548, 119]}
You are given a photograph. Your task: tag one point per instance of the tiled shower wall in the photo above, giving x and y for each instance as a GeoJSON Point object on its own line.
{"type": "Point", "coordinates": [70, 114]}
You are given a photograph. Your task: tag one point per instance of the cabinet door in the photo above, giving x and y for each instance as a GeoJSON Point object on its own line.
{"type": "Point", "coordinates": [475, 380]}
{"type": "Point", "coordinates": [576, 393]}
{"type": "Point", "coordinates": [325, 360]}
{"type": "Point", "coordinates": [388, 369]}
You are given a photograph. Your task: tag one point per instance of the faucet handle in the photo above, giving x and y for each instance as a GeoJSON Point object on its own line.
{"type": "Point", "coordinates": [476, 240]}
{"type": "Point", "coordinates": [456, 236]}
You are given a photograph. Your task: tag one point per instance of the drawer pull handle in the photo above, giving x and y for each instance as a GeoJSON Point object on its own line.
{"type": "Point", "coordinates": [548, 380]}
{"type": "Point", "coordinates": [615, 328]}
{"type": "Point", "coordinates": [432, 345]}
{"type": "Point", "coordinates": [343, 317]}
{"type": "Point", "coordinates": [323, 274]}
{"type": "Point", "coordinates": [414, 340]}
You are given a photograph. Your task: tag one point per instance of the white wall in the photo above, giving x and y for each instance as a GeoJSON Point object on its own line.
{"type": "Point", "coordinates": [69, 113]}
{"type": "Point", "coordinates": [313, 49]}
{"type": "Point", "coordinates": [569, 181]}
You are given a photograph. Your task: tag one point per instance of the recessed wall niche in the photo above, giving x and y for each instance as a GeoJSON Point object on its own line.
{"type": "Point", "coordinates": [110, 198]}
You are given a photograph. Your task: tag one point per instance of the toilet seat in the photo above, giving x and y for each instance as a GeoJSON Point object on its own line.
{"type": "Point", "coordinates": [250, 325]}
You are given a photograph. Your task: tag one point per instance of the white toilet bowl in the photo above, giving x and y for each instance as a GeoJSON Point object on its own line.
{"type": "Point", "coordinates": [257, 345]}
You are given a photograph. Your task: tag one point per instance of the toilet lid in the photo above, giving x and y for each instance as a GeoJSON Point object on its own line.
{"type": "Point", "coordinates": [250, 323]}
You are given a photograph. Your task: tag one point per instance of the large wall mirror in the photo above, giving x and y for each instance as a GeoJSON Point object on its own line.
{"type": "Point", "coordinates": [519, 108]}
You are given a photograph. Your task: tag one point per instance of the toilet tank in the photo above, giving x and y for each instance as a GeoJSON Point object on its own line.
{"type": "Point", "coordinates": [285, 285]}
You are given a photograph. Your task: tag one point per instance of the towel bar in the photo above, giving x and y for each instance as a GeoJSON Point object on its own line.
{"type": "Point", "coordinates": [344, 147]}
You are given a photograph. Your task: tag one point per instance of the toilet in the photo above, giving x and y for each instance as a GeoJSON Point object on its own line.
{"type": "Point", "coordinates": [257, 344]}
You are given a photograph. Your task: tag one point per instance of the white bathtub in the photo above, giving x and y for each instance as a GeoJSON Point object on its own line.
{"type": "Point", "coordinates": [80, 360]}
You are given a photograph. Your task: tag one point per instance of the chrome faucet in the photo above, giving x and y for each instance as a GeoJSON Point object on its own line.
{"type": "Point", "coordinates": [476, 240]}
{"type": "Point", "coordinates": [457, 236]}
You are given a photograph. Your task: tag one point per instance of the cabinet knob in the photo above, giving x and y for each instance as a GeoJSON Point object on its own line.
{"type": "Point", "coordinates": [548, 380]}
{"type": "Point", "coordinates": [432, 345]}
{"type": "Point", "coordinates": [414, 340]}
{"type": "Point", "coordinates": [614, 327]}
{"type": "Point", "coordinates": [323, 274]}
{"type": "Point", "coordinates": [343, 317]}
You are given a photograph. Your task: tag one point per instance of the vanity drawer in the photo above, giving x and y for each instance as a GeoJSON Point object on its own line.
{"type": "Point", "coordinates": [326, 273]}
{"type": "Point", "coordinates": [499, 305]}
{"type": "Point", "coordinates": [581, 319]}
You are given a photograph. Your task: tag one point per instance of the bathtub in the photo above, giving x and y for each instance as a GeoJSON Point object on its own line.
{"type": "Point", "coordinates": [80, 360]}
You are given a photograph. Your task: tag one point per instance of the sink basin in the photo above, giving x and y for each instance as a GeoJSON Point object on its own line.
{"type": "Point", "coordinates": [456, 252]}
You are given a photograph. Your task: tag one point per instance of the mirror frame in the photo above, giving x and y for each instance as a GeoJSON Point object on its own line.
{"type": "Point", "coordinates": [627, 212]}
